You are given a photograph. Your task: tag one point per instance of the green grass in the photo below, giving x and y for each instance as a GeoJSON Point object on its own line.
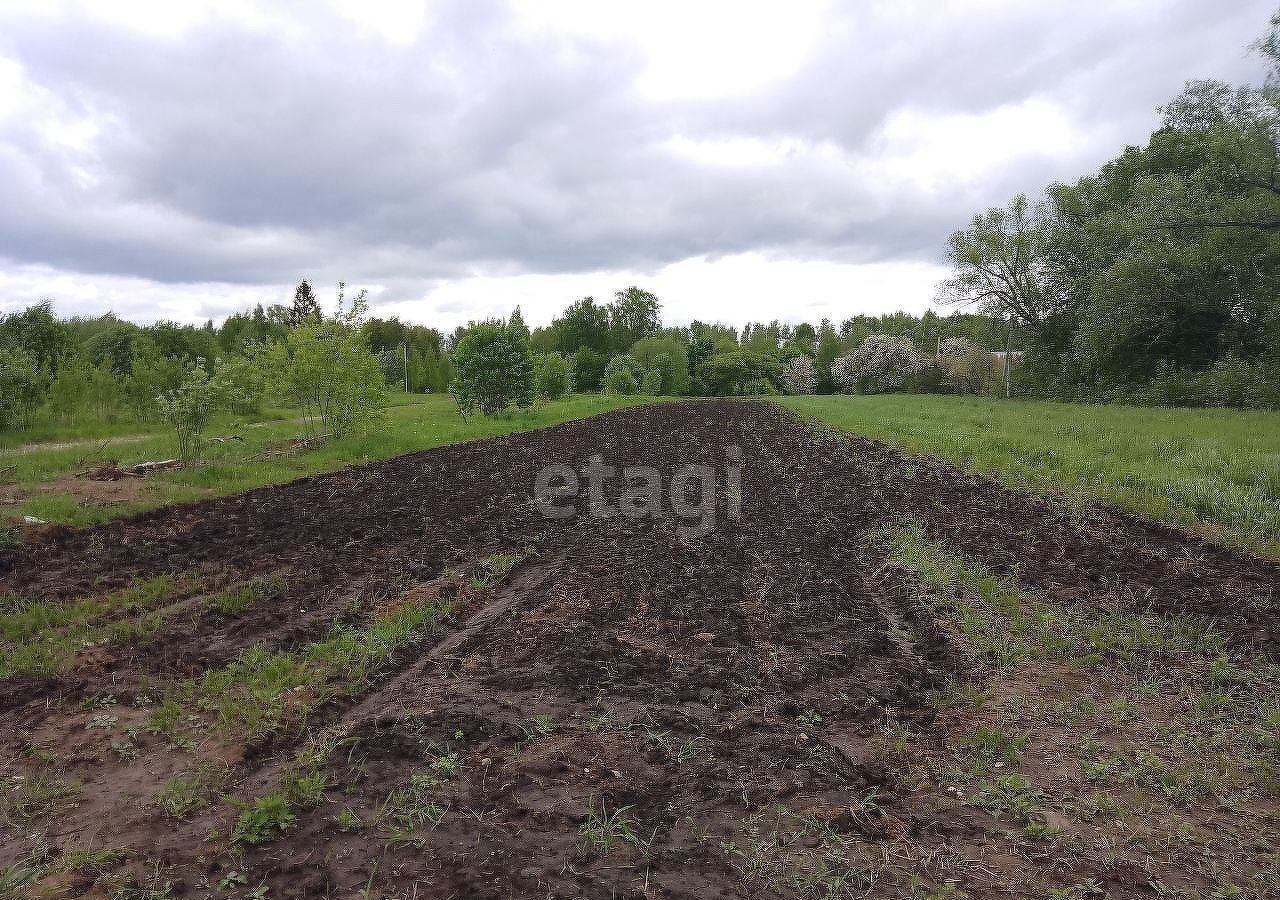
{"type": "Point", "coordinates": [265, 818]}
{"type": "Point", "coordinates": [34, 797]}
{"type": "Point", "coordinates": [191, 790]}
{"type": "Point", "coordinates": [1006, 624]}
{"type": "Point", "coordinates": [1214, 469]}
{"type": "Point", "coordinates": [40, 637]}
{"type": "Point", "coordinates": [53, 430]}
{"type": "Point", "coordinates": [240, 597]}
{"type": "Point", "coordinates": [1099, 732]}
{"type": "Point", "coordinates": [413, 422]}
{"type": "Point", "coordinates": [413, 806]}
{"type": "Point", "coordinates": [606, 828]}
{"type": "Point", "coordinates": [262, 689]}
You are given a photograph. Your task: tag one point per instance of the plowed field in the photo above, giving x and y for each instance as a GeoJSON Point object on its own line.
{"type": "Point", "coordinates": [878, 677]}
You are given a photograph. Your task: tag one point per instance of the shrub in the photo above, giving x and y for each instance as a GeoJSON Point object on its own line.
{"type": "Point", "coordinates": [731, 372]}
{"type": "Point", "coordinates": [622, 376]}
{"type": "Point", "coordinates": [493, 369]}
{"type": "Point", "coordinates": [22, 388]}
{"type": "Point", "coordinates": [668, 355]}
{"type": "Point", "coordinates": [799, 375]}
{"type": "Point", "coordinates": [83, 389]}
{"type": "Point", "coordinates": [189, 407]}
{"type": "Point", "coordinates": [326, 367]}
{"type": "Point", "coordinates": [588, 370]}
{"type": "Point", "coordinates": [651, 383]}
{"type": "Point", "coordinates": [245, 378]}
{"type": "Point", "coordinates": [1232, 381]}
{"type": "Point", "coordinates": [151, 374]}
{"type": "Point", "coordinates": [1228, 382]}
{"type": "Point", "coordinates": [760, 387]}
{"type": "Point", "coordinates": [884, 362]}
{"type": "Point", "coordinates": [965, 367]}
{"type": "Point", "coordinates": [551, 375]}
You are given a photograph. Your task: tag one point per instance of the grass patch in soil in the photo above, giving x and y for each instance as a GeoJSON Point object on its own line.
{"type": "Point", "coordinates": [262, 690]}
{"type": "Point", "coordinates": [237, 598]}
{"type": "Point", "coordinates": [192, 790]}
{"type": "Point", "coordinates": [801, 855]}
{"type": "Point", "coordinates": [1128, 740]}
{"type": "Point", "coordinates": [42, 637]}
{"type": "Point", "coordinates": [767, 715]}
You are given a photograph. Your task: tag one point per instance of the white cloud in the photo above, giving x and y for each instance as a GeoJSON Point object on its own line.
{"type": "Point", "coordinates": [692, 50]}
{"type": "Point", "coordinates": [180, 160]}
{"type": "Point", "coordinates": [136, 299]}
{"type": "Point", "coordinates": [735, 289]}
{"type": "Point", "coordinates": [395, 21]}
{"type": "Point", "coordinates": [931, 151]}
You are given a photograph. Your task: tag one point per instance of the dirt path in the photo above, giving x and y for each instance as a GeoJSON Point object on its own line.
{"type": "Point", "coordinates": [113, 441]}
{"type": "Point", "coordinates": [626, 713]}
{"type": "Point", "coordinates": [24, 449]}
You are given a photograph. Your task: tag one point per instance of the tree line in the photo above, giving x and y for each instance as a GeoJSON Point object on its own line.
{"type": "Point", "coordinates": [338, 368]}
{"type": "Point", "coordinates": [335, 368]}
{"type": "Point", "coordinates": [1157, 278]}
{"type": "Point", "coordinates": [622, 347]}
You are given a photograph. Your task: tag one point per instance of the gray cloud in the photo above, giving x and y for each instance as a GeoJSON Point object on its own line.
{"type": "Point", "coordinates": [247, 155]}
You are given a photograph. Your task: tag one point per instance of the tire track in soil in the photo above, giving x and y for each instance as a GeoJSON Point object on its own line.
{"type": "Point", "coordinates": [699, 684]}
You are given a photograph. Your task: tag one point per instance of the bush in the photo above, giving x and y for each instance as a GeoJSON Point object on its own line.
{"type": "Point", "coordinates": [493, 369]}
{"type": "Point", "coordinates": [245, 378]}
{"type": "Point", "coordinates": [151, 374]}
{"type": "Point", "coordinates": [1234, 382]}
{"type": "Point", "coordinates": [326, 367]}
{"type": "Point", "coordinates": [668, 355]}
{"type": "Point", "coordinates": [22, 388]}
{"type": "Point", "coordinates": [627, 375]}
{"type": "Point", "coordinates": [588, 370]}
{"type": "Point", "coordinates": [1228, 382]}
{"type": "Point", "coordinates": [800, 375]}
{"type": "Point", "coordinates": [622, 376]}
{"type": "Point", "coordinates": [651, 383]}
{"type": "Point", "coordinates": [965, 368]}
{"type": "Point", "coordinates": [551, 375]}
{"type": "Point", "coordinates": [189, 407]}
{"type": "Point", "coordinates": [85, 390]}
{"type": "Point", "coordinates": [760, 387]}
{"type": "Point", "coordinates": [884, 362]}
{"type": "Point", "coordinates": [739, 371]}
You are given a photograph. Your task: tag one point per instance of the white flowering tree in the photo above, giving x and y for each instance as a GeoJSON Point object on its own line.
{"type": "Point", "coordinates": [799, 375]}
{"type": "Point", "coordinates": [884, 362]}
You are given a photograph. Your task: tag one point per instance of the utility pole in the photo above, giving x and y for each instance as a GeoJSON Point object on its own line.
{"type": "Point", "coordinates": [1008, 347]}
{"type": "Point", "coordinates": [405, 349]}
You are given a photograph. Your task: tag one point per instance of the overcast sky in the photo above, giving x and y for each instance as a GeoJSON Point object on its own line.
{"type": "Point", "coordinates": [743, 160]}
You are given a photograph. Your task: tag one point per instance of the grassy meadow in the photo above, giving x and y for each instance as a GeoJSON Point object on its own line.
{"type": "Point", "coordinates": [1213, 470]}
{"type": "Point", "coordinates": [41, 480]}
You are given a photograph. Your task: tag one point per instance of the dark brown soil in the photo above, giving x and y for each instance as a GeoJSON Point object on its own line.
{"type": "Point", "coordinates": [718, 691]}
